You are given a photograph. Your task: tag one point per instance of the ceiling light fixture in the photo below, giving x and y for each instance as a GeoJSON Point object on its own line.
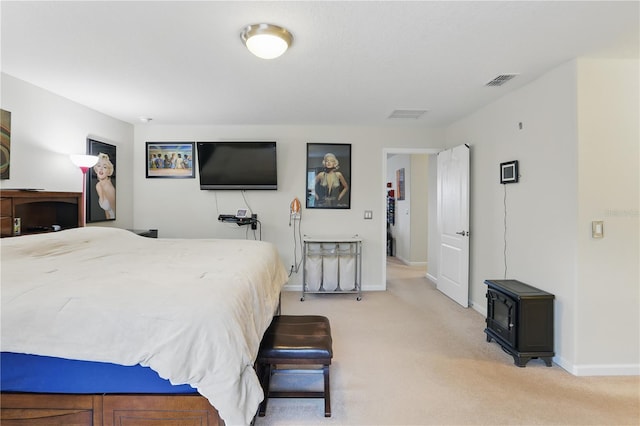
{"type": "Point", "coordinates": [266, 41]}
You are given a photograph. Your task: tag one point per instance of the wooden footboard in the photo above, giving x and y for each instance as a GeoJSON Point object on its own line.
{"type": "Point", "coordinates": [106, 410]}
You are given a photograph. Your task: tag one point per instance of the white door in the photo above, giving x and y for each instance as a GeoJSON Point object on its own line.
{"type": "Point", "coordinates": [453, 223]}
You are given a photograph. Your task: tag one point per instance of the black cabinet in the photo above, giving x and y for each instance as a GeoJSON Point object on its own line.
{"type": "Point", "coordinates": [520, 319]}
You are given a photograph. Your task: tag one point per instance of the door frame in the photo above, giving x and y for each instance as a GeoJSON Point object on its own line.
{"type": "Point", "coordinates": [383, 198]}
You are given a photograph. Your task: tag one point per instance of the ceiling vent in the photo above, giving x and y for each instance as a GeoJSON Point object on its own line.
{"type": "Point", "coordinates": [501, 79]}
{"type": "Point", "coordinates": [413, 114]}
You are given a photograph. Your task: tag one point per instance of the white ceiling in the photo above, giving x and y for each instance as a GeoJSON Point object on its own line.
{"type": "Point", "coordinates": [350, 63]}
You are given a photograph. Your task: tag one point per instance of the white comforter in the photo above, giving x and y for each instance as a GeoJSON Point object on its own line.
{"type": "Point", "coordinates": [192, 310]}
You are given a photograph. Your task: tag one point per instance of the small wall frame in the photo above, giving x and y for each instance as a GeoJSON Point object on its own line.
{"type": "Point", "coordinates": [509, 172]}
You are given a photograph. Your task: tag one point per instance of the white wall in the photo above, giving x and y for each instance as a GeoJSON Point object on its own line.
{"type": "Point", "coordinates": [433, 243]}
{"type": "Point", "coordinates": [547, 238]}
{"type": "Point", "coordinates": [410, 228]}
{"type": "Point", "coordinates": [608, 190]}
{"type": "Point", "coordinates": [47, 128]}
{"type": "Point", "coordinates": [401, 229]}
{"type": "Point", "coordinates": [178, 208]}
{"type": "Point", "coordinates": [419, 208]}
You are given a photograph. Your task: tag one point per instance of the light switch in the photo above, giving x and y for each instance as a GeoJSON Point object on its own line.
{"type": "Point", "coordinates": [368, 214]}
{"type": "Point", "coordinates": [597, 229]}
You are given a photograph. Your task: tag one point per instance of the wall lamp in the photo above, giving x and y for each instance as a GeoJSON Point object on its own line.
{"type": "Point", "coordinates": [266, 41]}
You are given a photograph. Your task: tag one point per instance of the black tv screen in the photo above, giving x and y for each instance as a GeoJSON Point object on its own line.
{"type": "Point", "coordinates": [237, 165]}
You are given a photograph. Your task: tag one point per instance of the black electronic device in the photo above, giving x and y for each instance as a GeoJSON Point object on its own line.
{"type": "Point", "coordinates": [240, 220]}
{"type": "Point", "coordinates": [237, 165]}
{"type": "Point", "coordinates": [509, 172]}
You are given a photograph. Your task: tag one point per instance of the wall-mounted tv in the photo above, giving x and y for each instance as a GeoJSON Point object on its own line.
{"type": "Point", "coordinates": [237, 165]}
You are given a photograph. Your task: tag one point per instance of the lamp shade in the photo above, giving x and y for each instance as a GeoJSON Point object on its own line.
{"type": "Point", "coordinates": [84, 161]}
{"type": "Point", "coordinates": [266, 41]}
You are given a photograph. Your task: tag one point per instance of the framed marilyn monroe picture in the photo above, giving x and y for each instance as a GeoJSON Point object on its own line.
{"type": "Point", "coordinates": [328, 176]}
{"type": "Point", "coordinates": [101, 183]}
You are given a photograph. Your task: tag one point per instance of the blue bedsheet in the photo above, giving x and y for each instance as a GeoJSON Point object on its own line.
{"type": "Point", "coordinates": [44, 374]}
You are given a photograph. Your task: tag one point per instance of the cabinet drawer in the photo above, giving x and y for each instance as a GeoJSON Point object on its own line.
{"type": "Point", "coordinates": [5, 207]}
{"type": "Point", "coordinates": [6, 226]}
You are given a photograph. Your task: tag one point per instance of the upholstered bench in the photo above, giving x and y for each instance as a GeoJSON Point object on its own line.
{"type": "Point", "coordinates": [295, 340]}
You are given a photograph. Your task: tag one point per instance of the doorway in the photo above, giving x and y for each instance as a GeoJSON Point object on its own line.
{"type": "Point", "coordinates": [386, 155]}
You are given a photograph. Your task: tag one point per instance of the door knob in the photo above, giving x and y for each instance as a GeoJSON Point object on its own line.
{"type": "Point", "coordinates": [463, 233]}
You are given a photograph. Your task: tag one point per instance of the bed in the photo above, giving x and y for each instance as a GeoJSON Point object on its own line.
{"type": "Point", "coordinates": [191, 312]}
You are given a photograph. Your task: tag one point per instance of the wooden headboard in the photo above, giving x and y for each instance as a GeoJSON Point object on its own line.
{"type": "Point", "coordinates": [28, 212]}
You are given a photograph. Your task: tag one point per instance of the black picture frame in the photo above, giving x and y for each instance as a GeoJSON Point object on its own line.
{"type": "Point", "coordinates": [170, 160]}
{"type": "Point", "coordinates": [318, 179]}
{"type": "Point", "coordinates": [509, 172]}
{"type": "Point", "coordinates": [101, 182]}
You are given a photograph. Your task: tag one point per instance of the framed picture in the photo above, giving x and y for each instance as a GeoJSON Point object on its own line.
{"type": "Point", "coordinates": [170, 160]}
{"type": "Point", "coordinates": [400, 183]}
{"type": "Point", "coordinates": [5, 147]}
{"type": "Point", "coordinates": [328, 176]}
{"type": "Point", "coordinates": [509, 172]}
{"type": "Point", "coordinates": [101, 183]}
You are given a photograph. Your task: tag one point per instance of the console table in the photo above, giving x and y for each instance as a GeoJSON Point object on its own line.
{"type": "Point", "coordinates": [332, 265]}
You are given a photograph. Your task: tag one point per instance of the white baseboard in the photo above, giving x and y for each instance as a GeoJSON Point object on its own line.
{"type": "Point", "coordinates": [410, 263]}
{"type": "Point", "coordinates": [480, 308]}
{"type": "Point", "coordinates": [597, 369]}
{"type": "Point", "coordinates": [606, 370]}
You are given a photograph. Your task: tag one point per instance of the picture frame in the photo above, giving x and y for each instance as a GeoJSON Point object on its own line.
{"type": "Point", "coordinates": [509, 172]}
{"type": "Point", "coordinates": [400, 179]}
{"type": "Point", "coordinates": [328, 182]}
{"type": "Point", "coordinates": [170, 160]}
{"type": "Point", "coordinates": [5, 143]}
{"type": "Point", "coordinates": [101, 182]}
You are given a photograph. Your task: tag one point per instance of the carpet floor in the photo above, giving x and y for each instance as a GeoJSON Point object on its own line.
{"type": "Point", "coordinates": [411, 356]}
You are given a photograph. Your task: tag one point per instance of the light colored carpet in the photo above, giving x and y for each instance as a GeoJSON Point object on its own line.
{"type": "Point", "coordinates": [411, 356]}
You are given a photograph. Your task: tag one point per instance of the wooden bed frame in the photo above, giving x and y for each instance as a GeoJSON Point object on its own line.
{"type": "Point", "coordinates": [106, 410]}
{"type": "Point", "coordinates": [34, 409]}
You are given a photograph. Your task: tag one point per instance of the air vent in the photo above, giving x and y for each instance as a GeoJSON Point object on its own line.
{"type": "Point", "coordinates": [501, 79]}
{"type": "Point", "coordinates": [413, 114]}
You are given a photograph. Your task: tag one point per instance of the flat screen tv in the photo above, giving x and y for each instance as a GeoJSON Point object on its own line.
{"type": "Point", "coordinates": [237, 165]}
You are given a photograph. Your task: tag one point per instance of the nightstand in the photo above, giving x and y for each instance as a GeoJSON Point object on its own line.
{"type": "Point", "coordinates": [149, 233]}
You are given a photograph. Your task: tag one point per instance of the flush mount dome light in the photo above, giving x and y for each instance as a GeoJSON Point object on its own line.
{"type": "Point", "coordinates": [266, 41]}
